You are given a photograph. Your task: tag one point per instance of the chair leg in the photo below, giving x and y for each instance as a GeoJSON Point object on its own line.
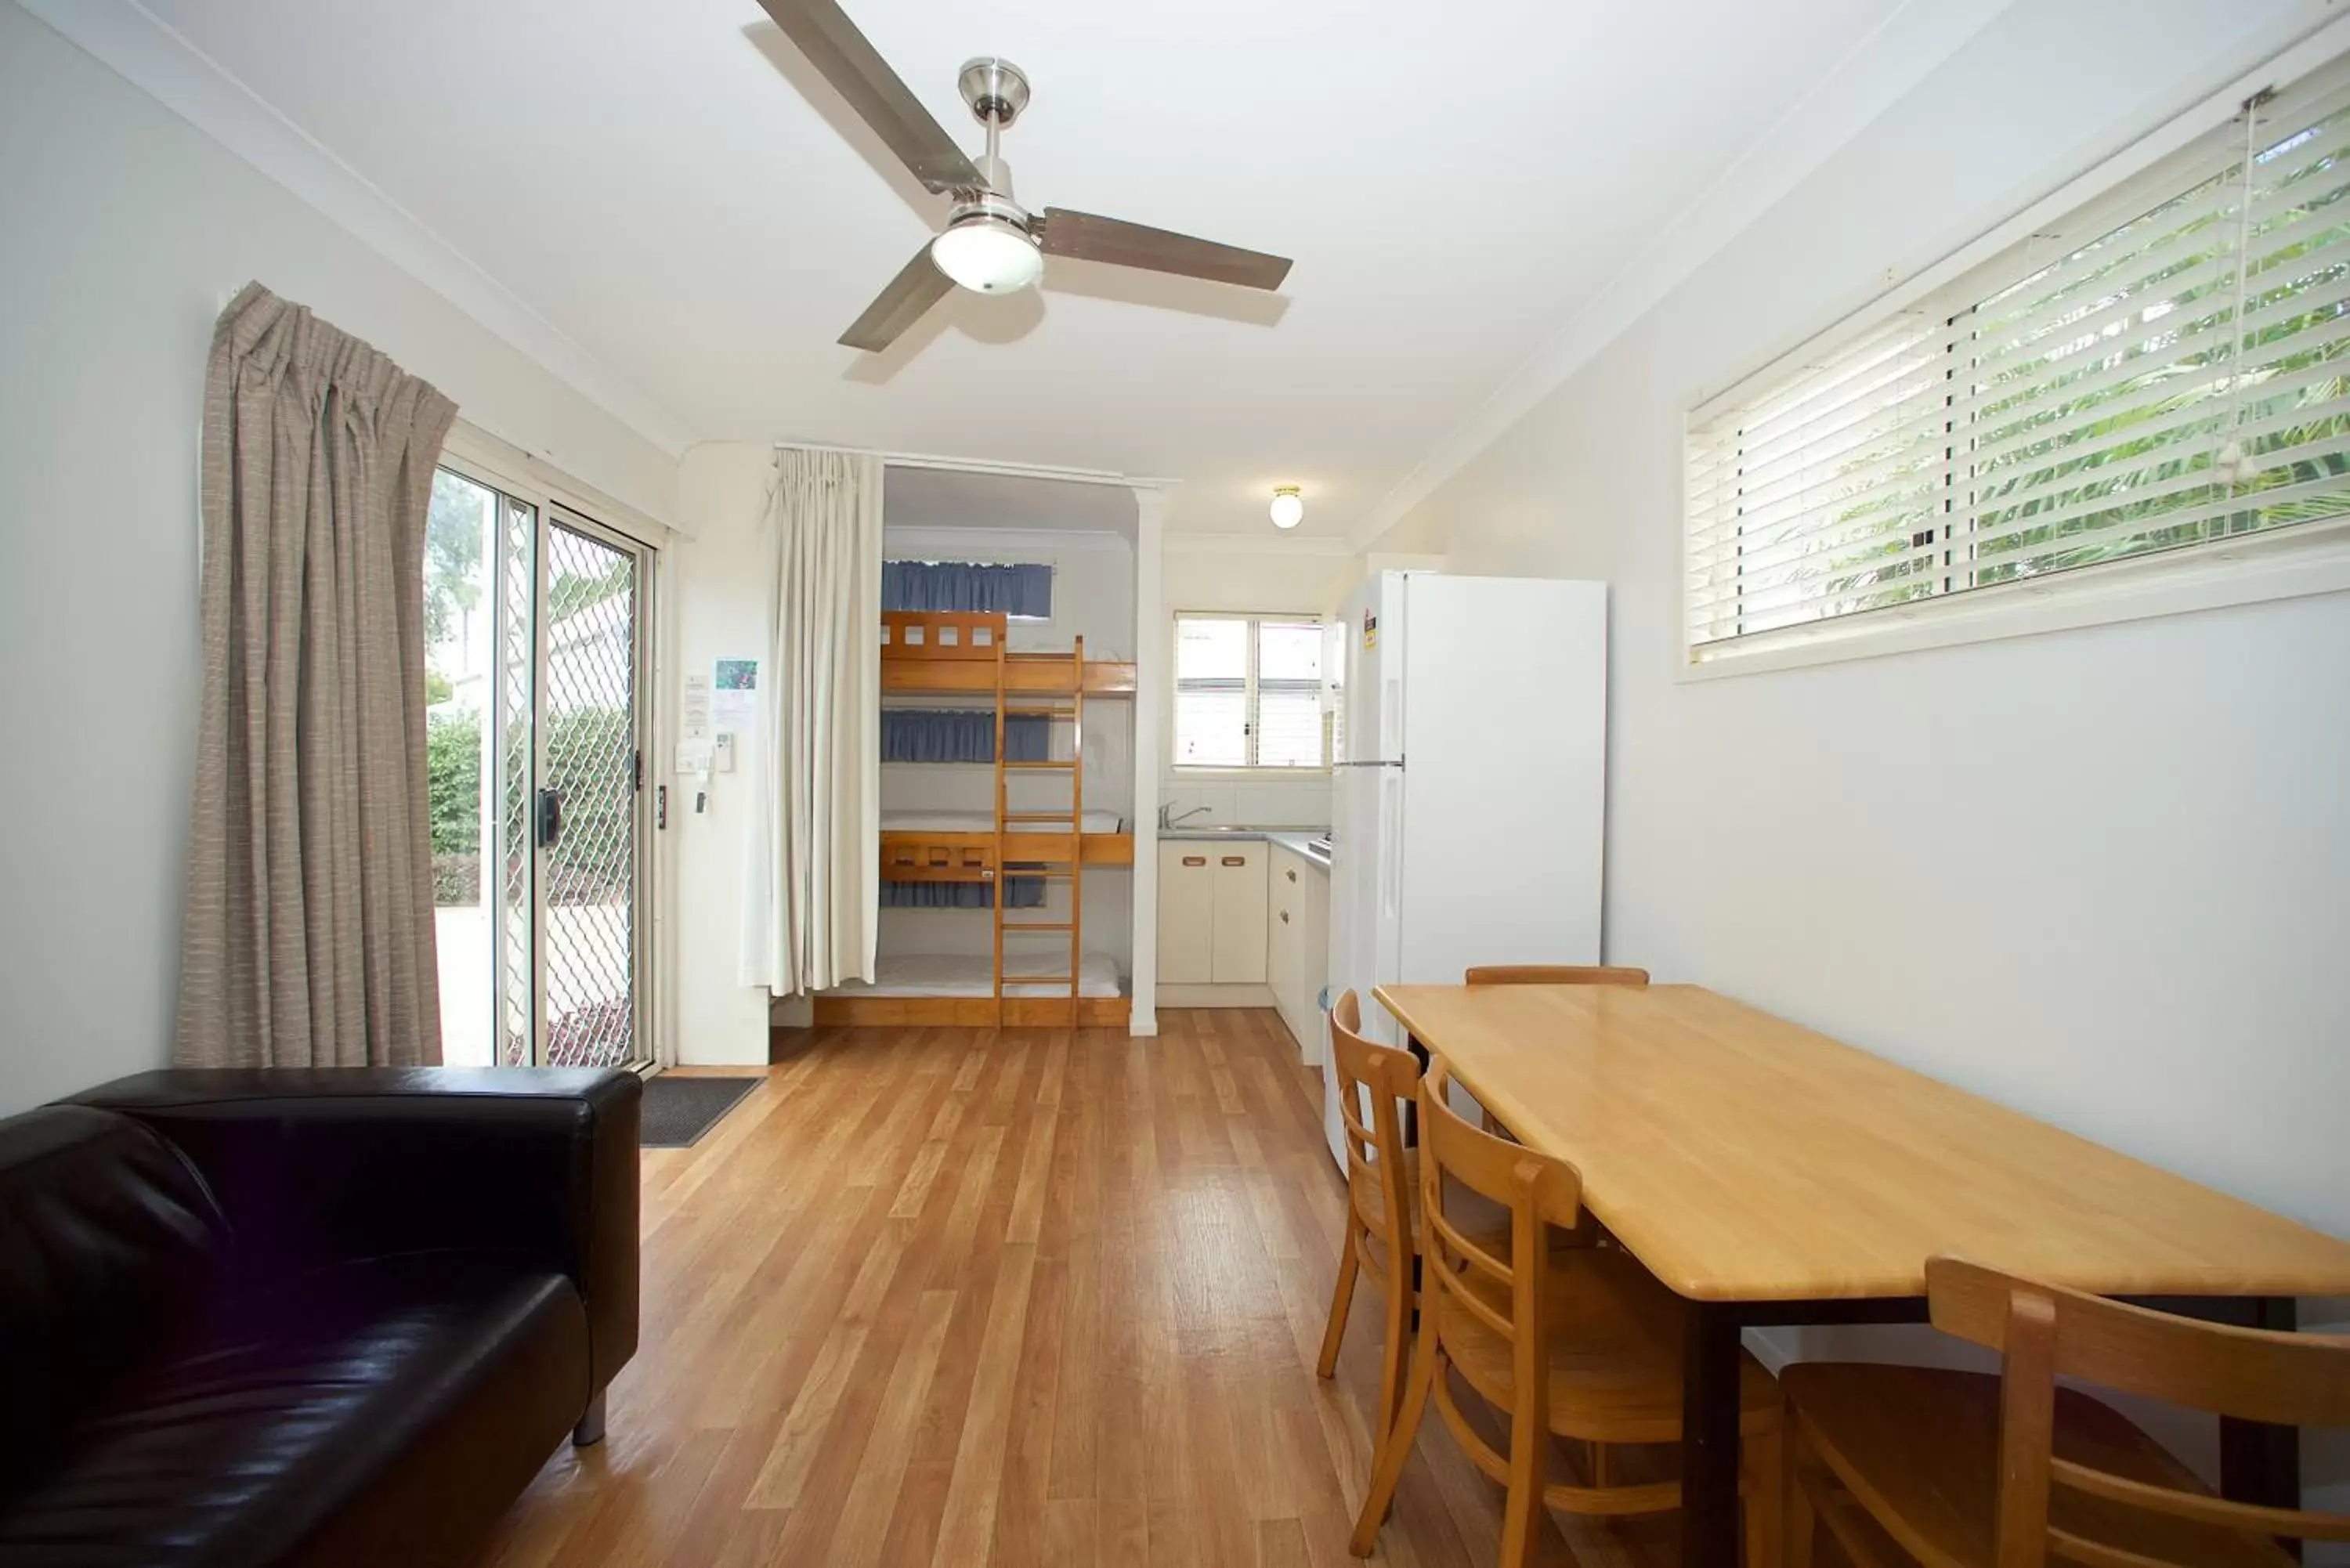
{"type": "Point", "coordinates": [1341, 1301]}
{"type": "Point", "coordinates": [1521, 1509]}
{"type": "Point", "coordinates": [1803, 1526]}
{"type": "Point", "coordinates": [1763, 1455]}
{"type": "Point", "coordinates": [1391, 1354]}
{"type": "Point", "coordinates": [1395, 1443]}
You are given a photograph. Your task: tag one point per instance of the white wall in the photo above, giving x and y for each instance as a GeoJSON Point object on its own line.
{"type": "Point", "coordinates": [719, 582]}
{"type": "Point", "coordinates": [125, 233]}
{"type": "Point", "coordinates": [1269, 575]}
{"type": "Point", "coordinates": [2097, 874]}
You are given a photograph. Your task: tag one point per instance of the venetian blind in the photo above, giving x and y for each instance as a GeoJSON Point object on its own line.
{"type": "Point", "coordinates": [2167, 368]}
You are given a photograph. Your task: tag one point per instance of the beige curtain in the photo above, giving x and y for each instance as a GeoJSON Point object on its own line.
{"type": "Point", "coordinates": [309, 916]}
{"type": "Point", "coordinates": [811, 893]}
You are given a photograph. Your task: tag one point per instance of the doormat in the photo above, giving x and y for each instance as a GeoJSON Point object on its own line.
{"type": "Point", "coordinates": [678, 1110]}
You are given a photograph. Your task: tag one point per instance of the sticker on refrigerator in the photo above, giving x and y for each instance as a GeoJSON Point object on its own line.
{"type": "Point", "coordinates": [1370, 630]}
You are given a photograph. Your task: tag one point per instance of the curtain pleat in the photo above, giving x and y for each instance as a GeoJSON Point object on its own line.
{"type": "Point", "coordinates": [1019, 893]}
{"type": "Point", "coordinates": [811, 892]}
{"type": "Point", "coordinates": [1020, 588]}
{"type": "Point", "coordinates": [308, 937]}
{"type": "Point", "coordinates": [962, 735]}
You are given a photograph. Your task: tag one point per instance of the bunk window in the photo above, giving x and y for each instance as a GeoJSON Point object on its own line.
{"type": "Point", "coordinates": [1022, 592]}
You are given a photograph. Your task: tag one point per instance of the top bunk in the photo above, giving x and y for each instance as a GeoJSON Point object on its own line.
{"type": "Point", "coordinates": [962, 650]}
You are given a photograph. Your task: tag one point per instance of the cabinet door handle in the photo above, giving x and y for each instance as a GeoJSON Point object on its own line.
{"type": "Point", "coordinates": [1235, 860]}
{"type": "Point", "coordinates": [1291, 875]}
{"type": "Point", "coordinates": [1195, 860]}
{"type": "Point", "coordinates": [1285, 917]}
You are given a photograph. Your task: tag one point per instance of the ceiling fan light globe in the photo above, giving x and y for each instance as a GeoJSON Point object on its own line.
{"type": "Point", "coordinates": [988, 255]}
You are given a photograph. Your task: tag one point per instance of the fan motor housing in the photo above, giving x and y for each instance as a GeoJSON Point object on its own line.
{"type": "Point", "coordinates": [996, 88]}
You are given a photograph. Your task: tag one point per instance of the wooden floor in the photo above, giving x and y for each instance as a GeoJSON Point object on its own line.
{"type": "Point", "coordinates": [1029, 1297]}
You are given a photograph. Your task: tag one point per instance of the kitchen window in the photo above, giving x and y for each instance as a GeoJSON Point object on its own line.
{"type": "Point", "coordinates": [1248, 692]}
{"type": "Point", "coordinates": [2154, 380]}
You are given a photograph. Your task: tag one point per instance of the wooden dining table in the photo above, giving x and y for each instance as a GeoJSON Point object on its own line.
{"type": "Point", "coordinates": [1771, 1176]}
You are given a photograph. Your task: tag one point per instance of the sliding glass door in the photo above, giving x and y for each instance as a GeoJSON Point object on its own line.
{"type": "Point", "coordinates": [536, 618]}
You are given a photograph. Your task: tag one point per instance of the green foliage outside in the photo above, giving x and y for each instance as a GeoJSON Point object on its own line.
{"type": "Point", "coordinates": [2175, 395]}
{"type": "Point", "coordinates": [590, 757]}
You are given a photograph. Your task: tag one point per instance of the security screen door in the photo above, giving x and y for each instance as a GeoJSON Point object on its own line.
{"type": "Point", "coordinates": [537, 729]}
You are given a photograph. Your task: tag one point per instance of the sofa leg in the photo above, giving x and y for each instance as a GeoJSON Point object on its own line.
{"type": "Point", "coordinates": [590, 1429]}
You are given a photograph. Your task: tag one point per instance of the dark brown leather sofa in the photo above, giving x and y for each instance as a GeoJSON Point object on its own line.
{"type": "Point", "coordinates": [329, 1317]}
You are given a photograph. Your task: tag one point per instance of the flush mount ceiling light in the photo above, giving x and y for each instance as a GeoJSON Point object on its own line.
{"type": "Point", "coordinates": [1288, 506]}
{"type": "Point", "coordinates": [988, 253]}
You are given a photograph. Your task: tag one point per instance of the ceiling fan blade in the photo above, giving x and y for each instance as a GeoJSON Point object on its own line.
{"type": "Point", "coordinates": [917, 286]}
{"type": "Point", "coordinates": [858, 73]}
{"type": "Point", "coordinates": [1122, 244]}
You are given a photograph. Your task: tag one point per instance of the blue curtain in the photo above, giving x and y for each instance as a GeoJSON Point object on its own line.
{"type": "Point", "coordinates": [962, 735]}
{"type": "Point", "coordinates": [1021, 893]}
{"type": "Point", "coordinates": [1022, 590]}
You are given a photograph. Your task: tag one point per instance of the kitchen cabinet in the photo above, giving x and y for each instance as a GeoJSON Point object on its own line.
{"type": "Point", "coordinates": [1211, 912]}
{"type": "Point", "coordinates": [1237, 949]}
{"type": "Point", "coordinates": [1297, 946]}
{"type": "Point", "coordinates": [1187, 912]}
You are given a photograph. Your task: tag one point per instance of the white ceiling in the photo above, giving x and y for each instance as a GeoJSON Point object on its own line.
{"type": "Point", "coordinates": [668, 185]}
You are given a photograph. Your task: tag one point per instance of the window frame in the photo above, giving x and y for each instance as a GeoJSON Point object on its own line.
{"type": "Point", "coordinates": [1250, 717]}
{"type": "Point", "coordinates": [2304, 559]}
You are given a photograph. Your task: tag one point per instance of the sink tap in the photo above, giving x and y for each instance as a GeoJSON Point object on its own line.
{"type": "Point", "coordinates": [1167, 818]}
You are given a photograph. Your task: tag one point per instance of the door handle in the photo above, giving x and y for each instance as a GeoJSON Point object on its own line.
{"type": "Point", "coordinates": [1195, 860]}
{"type": "Point", "coordinates": [1291, 875]}
{"type": "Point", "coordinates": [550, 818]}
{"type": "Point", "coordinates": [1285, 917]}
{"type": "Point", "coordinates": [1235, 860]}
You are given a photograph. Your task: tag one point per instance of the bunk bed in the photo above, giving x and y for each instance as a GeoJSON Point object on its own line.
{"type": "Point", "coordinates": [963, 655]}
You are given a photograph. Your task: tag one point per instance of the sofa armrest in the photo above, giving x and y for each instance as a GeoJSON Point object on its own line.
{"type": "Point", "coordinates": [314, 1166]}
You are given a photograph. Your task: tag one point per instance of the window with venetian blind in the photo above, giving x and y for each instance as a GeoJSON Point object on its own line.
{"type": "Point", "coordinates": [1248, 692]}
{"type": "Point", "coordinates": [2162, 371]}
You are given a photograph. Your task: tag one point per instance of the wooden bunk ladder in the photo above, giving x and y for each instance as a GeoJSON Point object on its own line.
{"type": "Point", "coordinates": [1055, 705]}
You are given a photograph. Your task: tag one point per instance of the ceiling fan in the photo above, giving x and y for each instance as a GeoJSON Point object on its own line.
{"type": "Point", "coordinates": [991, 244]}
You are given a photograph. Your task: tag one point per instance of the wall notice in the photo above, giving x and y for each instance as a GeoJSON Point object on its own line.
{"type": "Point", "coordinates": [734, 695]}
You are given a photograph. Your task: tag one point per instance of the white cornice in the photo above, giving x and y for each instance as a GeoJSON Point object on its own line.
{"type": "Point", "coordinates": [1313, 545]}
{"type": "Point", "coordinates": [1879, 69]}
{"type": "Point", "coordinates": [159, 60]}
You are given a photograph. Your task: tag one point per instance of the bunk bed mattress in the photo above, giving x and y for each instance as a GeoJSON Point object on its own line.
{"type": "Point", "coordinates": [984, 822]}
{"type": "Point", "coordinates": [958, 975]}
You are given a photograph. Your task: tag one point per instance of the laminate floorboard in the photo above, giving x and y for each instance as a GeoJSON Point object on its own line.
{"type": "Point", "coordinates": [949, 1297]}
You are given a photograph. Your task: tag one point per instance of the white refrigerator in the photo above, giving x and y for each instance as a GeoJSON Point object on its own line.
{"type": "Point", "coordinates": [1469, 792]}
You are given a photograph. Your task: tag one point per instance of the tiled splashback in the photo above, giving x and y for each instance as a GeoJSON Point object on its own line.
{"type": "Point", "coordinates": [1281, 803]}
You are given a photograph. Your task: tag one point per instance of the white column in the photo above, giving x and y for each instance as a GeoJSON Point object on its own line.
{"type": "Point", "coordinates": [1151, 503]}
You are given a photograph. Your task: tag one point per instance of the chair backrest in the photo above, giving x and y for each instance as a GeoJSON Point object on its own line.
{"type": "Point", "coordinates": [2045, 1332]}
{"type": "Point", "coordinates": [1538, 1190]}
{"type": "Point", "coordinates": [1372, 1080]}
{"type": "Point", "coordinates": [1554, 974]}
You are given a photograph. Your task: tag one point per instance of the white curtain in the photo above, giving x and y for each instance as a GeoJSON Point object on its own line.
{"type": "Point", "coordinates": [812, 889]}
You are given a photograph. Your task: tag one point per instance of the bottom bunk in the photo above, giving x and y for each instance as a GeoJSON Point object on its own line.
{"type": "Point", "coordinates": [926, 989]}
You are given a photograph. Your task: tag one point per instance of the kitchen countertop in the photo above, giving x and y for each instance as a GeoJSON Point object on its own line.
{"type": "Point", "coordinates": [1297, 840]}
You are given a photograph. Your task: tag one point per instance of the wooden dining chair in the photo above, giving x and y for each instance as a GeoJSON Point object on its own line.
{"type": "Point", "coordinates": [1961, 1469]}
{"type": "Point", "coordinates": [1554, 974]}
{"type": "Point", "coordinates": [1582, 1343]}
{"type": "Point", "coordinates": [1381, 1233]}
